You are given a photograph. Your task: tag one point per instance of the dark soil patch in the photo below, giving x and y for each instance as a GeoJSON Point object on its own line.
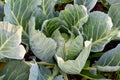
{"type": "Point", "coordinates": [61, 7]}
{"type": "Point", "coordinates": [99, 7]}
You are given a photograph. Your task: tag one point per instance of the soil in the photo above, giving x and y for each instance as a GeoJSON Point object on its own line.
{"type": "Point", "coordinates": [61, 7]}
{"type": "Point", "coordinates": [99, 7]}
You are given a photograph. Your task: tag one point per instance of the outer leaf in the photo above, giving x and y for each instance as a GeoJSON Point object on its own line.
{"type": "Point", "coordinates": [45, 11]}
{"type": "Point", "coordinates": [39, 18]}
{"type": "Point", "coordinates": [16, 70]}
{"type": "Point", "coordinates": [45, 72]}
{"type": "Point", "coordinates": [113, 1]}
{"type": "Point", "coordinates": [88, 3]}
{"type": "Point", "coordinates": [75, 66]}
{"type": "Point", "coordinates": [109, 61]}
{"type": "Point", "coordinates": [2, 77]}
{"type": "Point", "coordinates": [48, 8]}
{"type": "Point", "coordinates": [114, 14]}
{"type": "Point", "coordinates": [18, 12]}
{"type": "Point", "coordinates": [10, 39]}
{"type": "Point", "coordinates": [60, 77]}
{"type": "Point", "coordinates": [1, 11]}
{"type": "Point", "coordinates": [42, 73]}
{"type": "Point", "coordinates": [98, 28]}
{"type": "Point", "coordinates": [74, 15]}
{"type": "Point", "coordinates": [44, 48]}
{"type": "Point", "coordinates": [35, 73]}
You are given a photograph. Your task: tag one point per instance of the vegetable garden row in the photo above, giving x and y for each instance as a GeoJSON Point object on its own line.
{"type": "Point", "coordinates": [59, 40]}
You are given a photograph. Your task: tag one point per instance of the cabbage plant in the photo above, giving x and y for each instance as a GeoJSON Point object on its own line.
{"type": "Point", "coordinates": [61, 42]}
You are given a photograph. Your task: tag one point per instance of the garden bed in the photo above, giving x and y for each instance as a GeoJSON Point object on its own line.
{"type": "Point", "coordinates": [59, 40]}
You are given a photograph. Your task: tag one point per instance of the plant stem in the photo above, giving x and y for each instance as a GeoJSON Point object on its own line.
{"type": "Point", "coordinates": [55, 73]}
{"type": "Point", "coordinates": [87, 77]}
{"type": "Point", "coordinates": [64, 75]}
{"type": "Point", "coordinates": [89, 68]}
{"type": "Point", "coordinates": [44, 63]}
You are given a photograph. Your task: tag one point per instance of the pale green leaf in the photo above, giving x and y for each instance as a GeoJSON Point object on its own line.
{"type": "Point", "coordinates": [18, 12]}
{"type": "Point", "coordinates": [69, 48]}
{"type": "Point", "coordinates": [10, 39]}
{"type": "Point", "coordinates": [113, 1]}
{"type": "Point", "coordinates": [60, 43]}
{"type": "Point", "coordinates": [45, 72]}
{"type": "Point", "coordinates": [74, 46]}
{"type": "Point", "coordinates": [75, 66]}
{"type": "Point", "coordinates": [109, 61]}
{"type": "Point", "coordinates": [2, 77]}
{"type": "Point", "coordinates": [39, 18]}
{"type": "Point", "coordinates": [74, 15]}
{"type": "Point", "coordinates": [88, 3]}
{"type": "Point", "coordinates": [45, 11]}
{"type": "Point", "coordinates": [114, 13]}
{"type": "Point", "coordinates": [98, 27]}
{"type": "Point", "coordinates": [16, 70]}
{"type": "Point", "coordinates": [43, 47]}
{"type": "Point", "coordinates": [60, 77]}
{"type": "Point", "coordinates": [42, 73]}
{"type": "Point", "coordinates": [47, 7]}
{"type": "Point", "coordinates": [35, 73]}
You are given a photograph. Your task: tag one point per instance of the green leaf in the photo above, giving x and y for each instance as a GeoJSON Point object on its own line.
{"type": "Point", "coordinates": [109, 61]}
{"type": "Point", "coordinates": [16, 70]}
{"type": "Point", "coordinates": [45, 11]}
{"type": "Point", "coordinates": [69, 49]}
{"type": "Point", "coordinates": [113, 1]}
{"type": "Point", "coordinates": [74, 46]}
{"type": "Point", "coordinates": [2, 77]}
{"type": "Point", "coordinates": [60, 77]}
{"type": "Point", "coordinates": [42, 73]}
{"type": "Point", "coordinates": [98, 27]}
{"type": "Point", "coordinates": [47, 7]}
{"type": "Point", "coordinates": [44, 48]}
{"type": "Point", "coordinates": [35, 73]}
{"type": "Point", "coordinates": [18, 12]}
{"type": "Point", "coordinates": [39, 18]}
{"type": "Point", "coordinates": [75, 66]}
{"type": "Point", "coordinates": [1, 11]}
{"type": "Point", "coordinates": [74, 15]}
{"type": "Point", "coordinates": [88, 3]}
{"type": "Point", "coordinates": [49, 26]}
{"type": "Point", "coordinates": [60, 43]}
{"type": "Point", "coordinates": [10, 39]}
{"type": "Point", "coordinates": [114, 14]}
{"type": "Point", "coordinates": [93, 76]}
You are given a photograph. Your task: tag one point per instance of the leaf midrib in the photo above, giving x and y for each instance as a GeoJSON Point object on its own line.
{"type": "Point", "coordinates": [8, 39]}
